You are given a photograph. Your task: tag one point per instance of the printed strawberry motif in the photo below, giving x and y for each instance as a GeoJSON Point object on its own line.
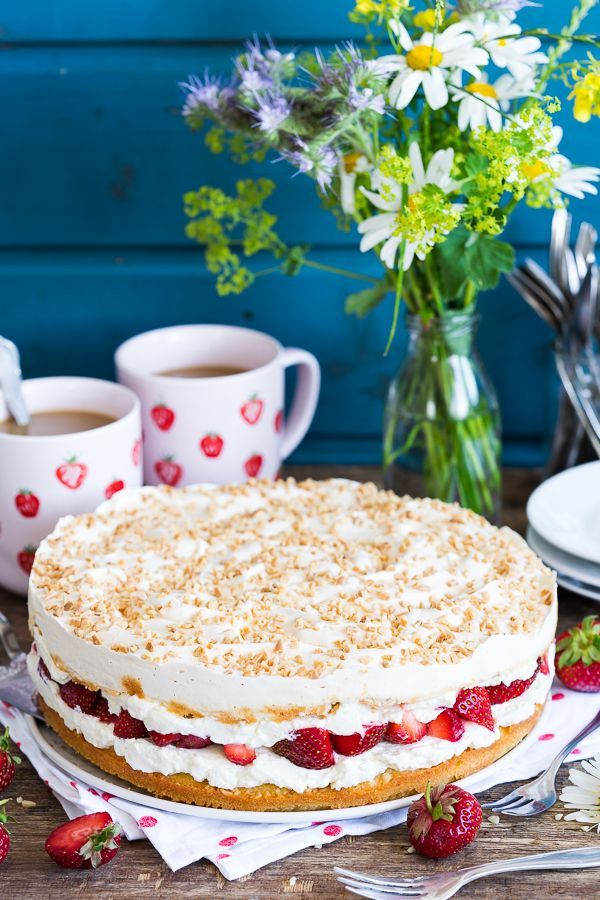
{"type": "Point", "coordinates": [447, 726]}
{"type": "Point", "coordinates": [443, 821]}
{"type": "Point", "coordinates": [168, 471]}
{"type": "Point", "coordinates": [240, 754]}
{"type": "Point", "coordinates": [353, 744]}
{"type": "Point", "coordinates": [192, 742]}
{"type": "Point", "coordinates": [278, 421]}
{"type": "Point", "coordinates": [253, 465]}
{"type": "Point", "coordinates": [407, 731]}
{"type": "Point", "coordinates": [473, 704]}
{"type": "Point", "coordinates": [4, 832]}
{"type": "Point", "coordinates": [211, 445]}
{"type": "Point", "coordinates": [27, 504]}
{"type": "Point", "coordinates": [85, 842]}
{"type": "Point", "coordinates": [163, 740]}
{"type": "Point", "coordinates": [7, 761]}
{"type": "Point", "coordinates": [502, 693]}
{"type": "Point", "coordinates": [25, 558]}
{"type": "Point", "coordinates": [72, 473]}
{"type": "Point", "coordinates": [309, 748]}
{"type": "Point", "coordinates": [77, 696]}
{"type": "Point", "coordinates": [136, 452]}
{"type": "Point", "coordinates": [252, 409]}
{"type": "Point", "coordinates": [128, 727]}
{"type": "Point", "coordinates": [162, 416]}
{"type": "Point", "coordinates": [113, 488]}
{"type": "Point", "coordinates": [578, 660]}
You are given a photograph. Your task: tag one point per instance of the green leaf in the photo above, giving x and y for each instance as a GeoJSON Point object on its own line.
{"type": "Point", "coordinates": [485, 258]}
{"type": "Point", "coordinates": [362, 302]}
{"type": "Point", "coordinates": [452, 252]}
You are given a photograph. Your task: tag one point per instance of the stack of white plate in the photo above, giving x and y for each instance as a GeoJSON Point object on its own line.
{"type": "Point", "coordinates": [564, 527]}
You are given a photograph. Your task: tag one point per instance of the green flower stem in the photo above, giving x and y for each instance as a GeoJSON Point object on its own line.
{"type": "Point", "coordinates": [357, 276]}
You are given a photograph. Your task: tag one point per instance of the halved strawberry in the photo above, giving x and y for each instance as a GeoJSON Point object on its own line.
{"type": "Point", "coordinates": [353, 744]}
{"type": "Point", "coordinates": [102, 712]}
{"type": "Point", "coordinates": [309, 748]}
{"type": "Point", "coordinates": [163, 740]}
{"type": "Point", "coordinates": [85, 842]}
{"type": "Point", "coordinates": [502, 693]}
{"type": "Point", "coordinates": [543, 664]}
{"type": "Point", "coordinates": [408, 731]}
{"type": "Point", "coordinates": [77, 696]}
{"type": "Point", "coordinates": [126, 726]}
{"type": "Point", "coordinates": [473, 704]}
{"type": "Point", "coordinates": [240, 754]}
{"type": "Point", "coordinates": [447, 726]}
{"type": "Point", "coordinates": [192, 742]}
{"type": "Point", "coordinates": [43, 670]}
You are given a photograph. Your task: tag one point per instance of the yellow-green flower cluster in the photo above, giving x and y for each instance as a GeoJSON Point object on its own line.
{"type": "Point", "coordinates": [426, 218]}
{"type": "Point", "coordinates": [380, 10]}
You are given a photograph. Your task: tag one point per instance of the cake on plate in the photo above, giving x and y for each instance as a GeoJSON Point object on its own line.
{"type": "Point", "coordinates": [288, 645]}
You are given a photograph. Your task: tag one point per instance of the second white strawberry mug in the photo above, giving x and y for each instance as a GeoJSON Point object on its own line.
{"type": "Point", "coordinates": [223, 428]}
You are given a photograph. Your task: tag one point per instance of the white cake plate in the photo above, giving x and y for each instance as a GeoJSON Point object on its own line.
{"type": "Point", "coordinates": [76, 766]}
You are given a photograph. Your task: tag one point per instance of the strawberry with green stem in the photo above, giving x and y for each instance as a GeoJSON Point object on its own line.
{"type": "Point", "coordinates": [443, 821]}
{"type": "Point", "coordinates": [4, 832]}
{"type": "Point", "coordinates": [8, 761]}
{"type": "Point", "coordinates": [578, 656]}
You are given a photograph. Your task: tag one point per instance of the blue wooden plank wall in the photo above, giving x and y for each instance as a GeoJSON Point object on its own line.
{"type": "Point", "coordinates": [94, 158]}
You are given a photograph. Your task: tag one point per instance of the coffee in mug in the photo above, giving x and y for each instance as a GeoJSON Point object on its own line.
{"type": "Point", "coordinates": [57, 421]}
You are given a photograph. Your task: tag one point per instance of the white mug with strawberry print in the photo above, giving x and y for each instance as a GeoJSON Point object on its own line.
{"type": "Point", "coordinates": [219, 429]}
{"type": "Point", "coordinates": [45, 477]}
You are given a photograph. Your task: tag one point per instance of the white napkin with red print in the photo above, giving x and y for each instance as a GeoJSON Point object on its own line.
{"type": "Point", "coordinates": [238, 848]}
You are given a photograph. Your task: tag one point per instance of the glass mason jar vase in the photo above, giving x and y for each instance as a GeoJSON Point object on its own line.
{"type": "Point", "coordinates": [442, 420]}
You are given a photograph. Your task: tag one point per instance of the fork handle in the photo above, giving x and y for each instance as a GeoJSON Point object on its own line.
{"type": "Point", "coordinates": [8, 638]}
{"type": "Point", "coordinates": [562, 754]}
{"type": "Point", "coordinates": [575, 858]}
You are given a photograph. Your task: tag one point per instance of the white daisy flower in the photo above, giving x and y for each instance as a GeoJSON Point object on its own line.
{"type": "Point", "coordinates": [387, 196]}
{"type": "Point", "coordinates": [429, 61]}
{"type": "Point", "coordinates": [577, 181]}
{"type": "Point", "coordinates": [349, 166]}
{"type": "Point", "coordinates": [583, 794]}
{"type": "Point", "coordinates": [482, 103]}
{"type": "Point", "coordinates": [507, 51]}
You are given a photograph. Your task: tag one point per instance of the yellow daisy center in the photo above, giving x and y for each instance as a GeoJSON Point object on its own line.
{"type": "Point", "coordinates": [535, 169]}
{"type": "Point", "coordinates": [425, 19]}
{"type": "Point", "coordinates": [502, 42]}
{"type": "Point", "coordinates": [423, 57]}
{"type": "Point", "coordinates": [350, 160]}
{"type": "Point", "coordinates": [483, 89]}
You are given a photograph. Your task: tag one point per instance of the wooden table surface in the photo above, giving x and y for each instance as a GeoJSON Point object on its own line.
{"type": "Point", "coordinates": [139, 872]}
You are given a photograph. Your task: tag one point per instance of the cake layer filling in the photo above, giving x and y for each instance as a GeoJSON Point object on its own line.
{"type": "Point", "coordinates": [269, 763]}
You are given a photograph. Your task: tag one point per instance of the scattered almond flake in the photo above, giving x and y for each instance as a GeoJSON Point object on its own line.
{"type": "Point", "coordinates": [28, 804]}
{"type": "Point", "coordinates": [411, 849]}
{"type": "Point", "coordinates": [19, 800]}
{"type": "Point", "coordinates": [558, 816]}
{"type": "Point", "coordinates": [495, 820]}
{"type": "Point", "coordinates": [293, 881]}
{"type": "Point", "coordinates": [318, 846]}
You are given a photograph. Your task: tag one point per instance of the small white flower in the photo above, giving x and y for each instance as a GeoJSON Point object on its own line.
{"type": "Point", "coordinates": [507, 51]}
{"type": "Point", "coordinates": [583, 794]}
{"type": "Point", "coordinates": [482, 103]}
{"type": "Point", "coordinates": [577, 181]}
{"type": "Point", "coordinates": [429, 61]}
{"type": "Point", "coordinates": [349, 166]}
{"type": "Point", "coordinates": [387, 196]}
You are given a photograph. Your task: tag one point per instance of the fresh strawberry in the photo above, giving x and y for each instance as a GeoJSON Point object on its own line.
{"type": "Point", "coordinates": [578, 656]}
{"type": "Point", "coordinates": [102, 712]}
{"type": "Point", "coordinates": [309, 748]}
{"type": "Point", "coordinates": [168, 472]}
{"type": "Point", "coordinates": [353, 744]}
{"type": "Point", "coordinates": [163, 740]}
{"type": "Point", "coordinates": [239, 754]}
{"type": "Point", "coordinates": [77, 696]}
{"type": "Point", "coordinates": [163, 416]}
{"type": "Point", "coordinates": [7, 761]}
{"type": "Point", "coordinates": [408, 731]}
{"type": "Point", "coordinates": [252, 409]}
{"type": "Point", "coordinates": [192, 742]}
{"type": "Point", "coordinates": [473, 704]}
{"type": "Point", "coordinates": [443, 821]}
{"type": "Point", "coordinates": [4, 832]}
{"type": "Point", "coordinates": [278, 421]}
{"type": "Point", "coordinates": [85, 842]}
{"type": "Point", "coordinates": [27, 504]}
{"type": "Point", "coordinates": [447, 726]}
{"type": "Point", "coordinates": [136, 452]}
{"type": "Point", "coordinates": [543, 664]}
{"type": "Point", "coordinates": [501, 693]}
{"type": "Point", "coordinates": [211, 445]}
{"type": "Point", "coordinates": [128, 727]}
{"type": "Point", "coordinates": [72, 473]}
{"type": "Point", "coordinates": [43, 670]}
{"type": "Point", "coordinates": [113, 488]}
{"type": "Point", "coordinates": [253, 465]}
{"type": "Point", "coordinates": [25, 558]}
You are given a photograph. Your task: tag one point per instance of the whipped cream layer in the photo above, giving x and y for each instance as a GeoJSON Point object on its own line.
{"type": "Point", "coordinates": [274, 599]}
{"type": "Point", "coordinates": [211, 765]}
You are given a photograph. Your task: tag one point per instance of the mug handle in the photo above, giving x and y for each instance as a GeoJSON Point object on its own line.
{"type": "Point", "coordinates": [305, 399]}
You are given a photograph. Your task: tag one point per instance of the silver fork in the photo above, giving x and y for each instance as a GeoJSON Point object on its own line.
{"type": "Point", "coordinates": [540, 794]}
{"type": "Point", "coordinates": [446, 884]}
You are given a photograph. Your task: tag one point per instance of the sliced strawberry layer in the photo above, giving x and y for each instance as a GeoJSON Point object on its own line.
{"type": "Point", "coordinates": [353, 744]}
{"type": "Point", "coordinates": [408, 731]}
{"type": "Point", "coordinates": [473, 704]}
{"type": "Point", "coordinates": [126, 726]}
{"type": "Point", "coordinates": [502, 693]}
{"type": "Point", "coordinates": [309, 748]}
{"type": "Point", "coordinates": [447, 726]}
{"type": "Point", "coordinates": [77, 696]}
{"type": "Point", "coordinates": [192, 742]}
{"type": "Point", "coordinates": [163, 740]}
{"type": "Point", "coordinates": [240, 754]}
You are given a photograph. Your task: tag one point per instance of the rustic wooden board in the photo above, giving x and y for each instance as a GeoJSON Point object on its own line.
{"type": "Point", "coordinates": [138, 871]}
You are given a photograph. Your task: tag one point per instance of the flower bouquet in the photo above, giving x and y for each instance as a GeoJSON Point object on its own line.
{"type": "Point", "coordinates": [423, 140]}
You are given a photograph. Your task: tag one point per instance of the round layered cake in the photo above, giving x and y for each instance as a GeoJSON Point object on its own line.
{"type": "Point", "coordinates": [288, 645]}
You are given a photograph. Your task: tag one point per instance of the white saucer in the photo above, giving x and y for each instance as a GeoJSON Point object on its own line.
{"type": "Point", "coordinates": [565, 511]}
{"type": "Point", "coordinates": [76, 766]}
{"type": "Point", "coordinates": [578, 587]}
{"type": "Point", "coordinates": [583, 571]}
